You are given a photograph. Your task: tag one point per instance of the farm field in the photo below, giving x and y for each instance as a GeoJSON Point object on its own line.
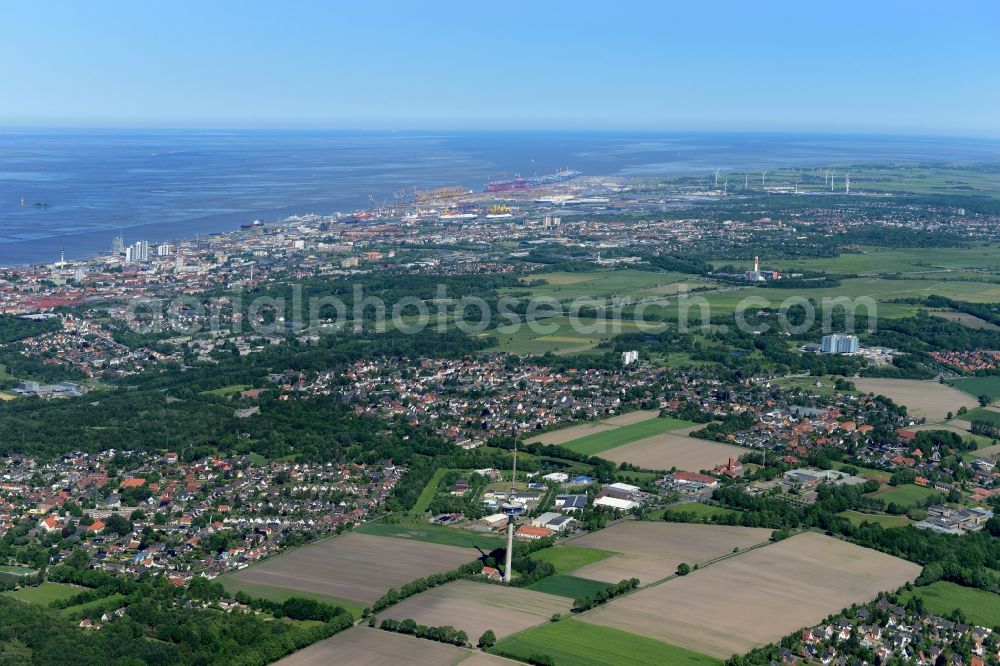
{"type": "Point", "coordinates": [436, 534]}
{"type": "Point", "coordinates": [374, 647]}
{"type": "Point", "coordinates": [630, 418]}
{"type": "Point", "coordinates": [957, 426]}
{"type": "Point", "coordinates": [476, 607]}
{"type": "Point", "coordinates": [570, 558]}
{"type": "Point", "coordinates": [477, 658]}
{"type": "Point", "coordinates": [651, 551]}
{"type": "Point", "coordinates": [965, 319]}
{"type": "Point", "coordinates": [673, 449]}
{"type": "Point", "coordinates": [925, 179]}
{"type": "Point", "coordinates": [564, 435]}
{"type": "Point", "coordinates": [45, 593]}
{"type": "Point", "coordinates": [885, 520]}
{"type": "Point", "coordinates": [980, 607]}
{"type": "Point", "coordinates": [571, 587]}
{"type": "Point", "coordinates": [570, 642]}
{"type": "Point", "coordinates": [976, 386]}
{"type": "Point", "coordinates": [788, 585]}
{"type": "Point", "coordinates": [573, 432]}
{"type": "Point", "coordinates": [602, 441]}
{"type": "Point", "coordinates": [356, 567]}
{"type": "Point", "coordinates": [908, 495]}
{"type": "Point", "coordinates": [234, 584]}
{"type": "Point", "coordinates": [923, 398]}
{"type": "Point", "coordinates": [989, 451]}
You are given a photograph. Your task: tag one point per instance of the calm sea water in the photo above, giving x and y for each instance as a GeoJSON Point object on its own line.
{"type": "Point", "coordinates": [168, 185]}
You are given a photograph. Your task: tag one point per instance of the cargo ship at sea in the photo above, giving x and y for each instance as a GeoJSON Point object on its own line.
{"type": "Point", "coordinates": [519, 183]}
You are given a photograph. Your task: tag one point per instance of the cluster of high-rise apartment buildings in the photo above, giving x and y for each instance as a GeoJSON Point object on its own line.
{"type": "Point", "coordinates": [137, 252]}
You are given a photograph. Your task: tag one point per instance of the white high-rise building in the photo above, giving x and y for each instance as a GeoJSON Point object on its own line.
{"type": "Point", "coordinates": [839, 343]}
{"type": "Point", "coordinates": [137, 252]}
{"type": "Point", "coordinates": [630, 357]}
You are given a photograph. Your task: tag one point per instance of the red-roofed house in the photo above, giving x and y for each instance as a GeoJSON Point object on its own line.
{"type": "Point", "coordinates": [691, 477]}
{"type": "Point", "coordinates": [532, 532]}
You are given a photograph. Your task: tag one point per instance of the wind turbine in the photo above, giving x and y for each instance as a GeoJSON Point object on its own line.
{"type": "Point", "coordinates": [746, 181]}
{"type": "Point", "coordinates": [832, 178]}
{"type": "Point", "coordinates": [725, 187]}
{"type": "Point", "coordinates": [847, 183]}
{"type": "Point", "coordinates": [717, 177]}
{"type": "Point", "coordinates": [826, 181]}
{"type": "Point", "coordinates": [762, 174]}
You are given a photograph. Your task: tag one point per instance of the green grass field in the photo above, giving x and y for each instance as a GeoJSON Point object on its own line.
{"type": "Point", "coordinates": [908, 495]}
{"type": "Point", "coordinates": [982, 414]}
{"type": "Point", "coordinates": [602, 441]}
{"type": "Point", "coordinates": [570, 558]}
{"type": "Point", "coordinates": [279, 594]}
{"type": "Point", "coordinates": [879, 260]}
{"type": "Point", "coordinates": [809, 384]}
{"type": "Point", "coordinates": [572, 587]}
{"type": "Point", "coordinates": [559, 335]}
{"type": "Point", "coordinates": [879, 475]}
{"type": "Point", "coordinates": [226, 391]}
{"type": "Point", "coordinates": [977, 386]}
{"type": "Point", "coordinates": [45, 593]}
{"type": "Point", "coordinates": [885, 520]}
{"type": "Point", "coordinates": [701, 510]}
{"type": "Point", "coordinates": [879, 290]}
{"type": "Point", "coordinates": [980, 607]}
{"type": "Point", "coordinates": [574, 643]}
{"type": "Point", "coordinates": [80, 610]}
{"type": "Point", "coordinates": [605, 283]}
{"type": "Point", "coordinates": [429, 492]}
{"type": "Point", "coordinates": [446, 536]}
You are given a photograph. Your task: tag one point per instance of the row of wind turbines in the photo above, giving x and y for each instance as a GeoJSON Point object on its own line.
{"type": "Point", "coordinates": [828, 180]}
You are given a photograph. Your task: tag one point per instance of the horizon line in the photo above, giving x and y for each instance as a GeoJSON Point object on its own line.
{"type": "Point", "coordinates": [494, 130]}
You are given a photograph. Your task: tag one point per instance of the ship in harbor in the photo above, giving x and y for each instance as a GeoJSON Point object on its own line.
{"type": "Point", "coordinates": [497, 212]}
{"type": "Point", "coordinates": [252, 225]}
{"type": "Point", "coordinates": [457, 215]}
{"type": "Point", "coordinates": [519, 183]}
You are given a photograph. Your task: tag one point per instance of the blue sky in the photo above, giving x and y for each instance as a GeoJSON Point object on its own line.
{"type": "Point", "coordinates": [836, 66]}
